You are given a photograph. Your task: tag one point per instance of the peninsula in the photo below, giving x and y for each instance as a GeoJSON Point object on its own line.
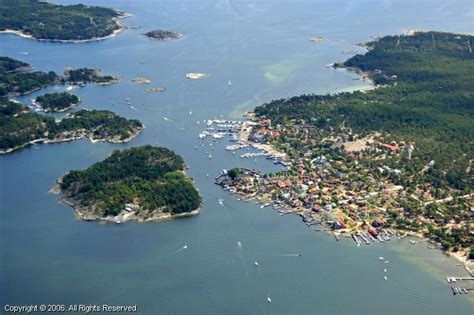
{"type": "Point", "coordinates": [17, 77]}
{"type": "Point", "coordinates": [142, 183]}
{"type": "Point", "coordinates": [19, 127]}
{"type": "Point", "coordinates": [395, 160]}
{"type": "Point", "coordinates": [61, 23]}
{"type": "Point", "coordinates": [57, 102]}
{"type": "Point", "coordinates": [163, 35]}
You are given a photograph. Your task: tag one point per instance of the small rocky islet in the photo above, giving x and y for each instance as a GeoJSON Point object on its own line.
{"type": "Point", "coordinates": [162, 35]}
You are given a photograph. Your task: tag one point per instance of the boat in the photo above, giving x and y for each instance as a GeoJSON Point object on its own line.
{"type": "Point", "coordinates": [385, 270]}
{"type": "Point", "coordinates": [381, 258]}
{"type": "Point", "coordinates": [190, 112]}
{"type": "Point", "coordinates": [185, 246]}
{"type": "Point", "coordinates": [412, 242]}
{"type": "Point", "coordinates": [230, 83]}
{"type": "Point", "coordinates": [385, 278]}
{"type": "Point", "coordinates": [256, 263]}
{"type": "Point", "coordinates": [386, 262]}
{"type": "Point", "coordinates": [355, 239]}
{"type": "Point", "coordinates": [269, 300]}
{"type": "Point", "coordinates": [221, 201]}
{"type": "Point", "coordinates": [210, 156]}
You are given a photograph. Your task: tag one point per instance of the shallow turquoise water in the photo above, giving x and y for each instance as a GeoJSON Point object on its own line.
{"type": "Point", "coordinates": [46, 256]}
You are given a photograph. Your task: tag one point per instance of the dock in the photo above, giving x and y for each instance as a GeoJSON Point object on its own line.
{"type": "Point", "coordinates": [456, 279]}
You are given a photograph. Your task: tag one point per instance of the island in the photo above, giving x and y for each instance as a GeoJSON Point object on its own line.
{"type": "Point", "coordinates": [82, 76]}
{"type": "Point", "coordinates": [393, 161]}
{"type": "Point", "coordinates": [61, 23]}
{"type": "Point", "coordinates": [56, 102]}
{"type": "Point", "coordinates": [155, 90]}
{"type": "Point", "coordinates": [162, 35]}
{"type": "Point", "coordinates": [143, 183]}
{"type": "Point", "coordinates": [17, 77]}
{"type": "Point", "coordinates": [141, 80]}
{"type": "Point", "coordinates": [19, 127]}
{"type": "Point", "coordinates": [317, 39]}
{"type": "Point", "coordinates": [195, 75]}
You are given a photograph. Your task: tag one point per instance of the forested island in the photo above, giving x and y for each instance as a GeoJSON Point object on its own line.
{"type": "Point", "coordinates": [398, 157]}
{"type": "Point", "coordinates": [66, 23]}
{"type": "Point", "coordinates": [143, 183]}
{"type": "Point", "coordinates": [163, 35]}
{"type": "Point", "coordinates": [17, 77]}
{"type": "Point", "coordinates": [82, 76]}
{"type": "Point", "coordinates": [19, 127]}
{"type": "Point", "coordinates": [57, 102]}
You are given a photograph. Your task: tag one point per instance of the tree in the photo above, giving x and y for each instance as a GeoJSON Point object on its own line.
{"type": "Point", "coordinates": [234, 173]}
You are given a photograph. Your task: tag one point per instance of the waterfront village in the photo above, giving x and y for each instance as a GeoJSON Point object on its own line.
{"type": "Point", "coordinates": [342, 194]}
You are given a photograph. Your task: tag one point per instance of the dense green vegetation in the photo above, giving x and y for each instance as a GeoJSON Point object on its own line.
{"type": "Point", "coordinates": [15, 80]}
{"type": "Point", "coordinates": [429, 99]}
{"type": "Point", "coordinates": [57, 102]}
{"type": "Point", "coordinates": [8, 64]}
{"type": "Point", "coordinates": [150, 177]}
{"type": "Point", "coordinates": [49, 21]}
{"type": "Point", "coordinates": [19, 126]}
{"type": "Point", "coordinates": [162, 35]}
{"type": "Point", "coordinates": [16, 77]}
{"type": "Point", "coordinates": [84, 75]}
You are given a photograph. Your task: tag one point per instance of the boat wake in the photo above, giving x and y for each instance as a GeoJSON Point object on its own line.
{"type": "Point", "coordinates": [182, 248]}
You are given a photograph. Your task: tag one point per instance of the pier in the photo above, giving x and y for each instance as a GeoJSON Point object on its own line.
{"type": "Point", "coordinates": [456, 279]}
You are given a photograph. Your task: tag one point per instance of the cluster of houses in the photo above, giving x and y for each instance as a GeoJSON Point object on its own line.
{"type": "Point", "coordinates": [346, 194]}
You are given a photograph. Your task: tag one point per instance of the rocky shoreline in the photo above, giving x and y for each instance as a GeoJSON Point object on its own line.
{"type": "Point", "coordinates": [79, 134]}
{"type": "Point", "coordinates": [121, 27]}
{"type": "Point", "coordinates": [61, 110]}
{"type": "Point", "coordinates": [130, 212]}
{"type": "Point", "coordinates": [85, 214]}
